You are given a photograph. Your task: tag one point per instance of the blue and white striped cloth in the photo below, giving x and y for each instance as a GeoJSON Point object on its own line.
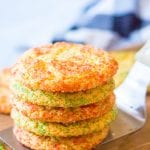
{"type": "Point", "coordinates": [110, 24]}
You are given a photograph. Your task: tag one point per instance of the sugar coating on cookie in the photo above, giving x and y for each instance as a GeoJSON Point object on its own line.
{"type": "Point", "coordinates": [36, 142]}
{"type": "Point", "coordinates": [64, 115]}
{"type": "Point", "coordinates": [63, 130]}
{"type": "Point", "coordinates": [64, 67]}
{"type": "Point", "coordinates": [59, 99]}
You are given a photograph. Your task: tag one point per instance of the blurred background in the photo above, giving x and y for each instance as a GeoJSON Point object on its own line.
{"type": "Point", "coordinates": [109, 24]}
{"type": "Point", "coordinates": [25, 24]}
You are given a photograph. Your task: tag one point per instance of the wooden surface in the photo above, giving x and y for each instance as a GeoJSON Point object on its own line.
{"type": "Point", "coordinates": [139, 140]}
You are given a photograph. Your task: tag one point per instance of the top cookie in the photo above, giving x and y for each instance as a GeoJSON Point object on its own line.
{"type": "Point", "coordinates": [64, 67]}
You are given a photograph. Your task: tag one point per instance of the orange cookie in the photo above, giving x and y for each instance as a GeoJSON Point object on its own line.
{"type": "Point", "coordinates": [64, 67]}
{"type": "Point", "coordinates": [63, 130]}
{"type": "Point", "coordinates": [36, 142]}
{"type": "Point", "coordinates": [5, 93]}
{"type": "Point", "coordinates": [64, 115]}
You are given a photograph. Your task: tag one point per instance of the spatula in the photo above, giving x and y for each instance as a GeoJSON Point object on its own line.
{"type": "Point", "coordinates": [130, 99]}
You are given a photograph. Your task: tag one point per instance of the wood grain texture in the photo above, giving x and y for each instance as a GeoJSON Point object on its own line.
{"type": "Point", "coordinates": [139, 140]}
{"type": "Point", "coordinates": [5, 122]}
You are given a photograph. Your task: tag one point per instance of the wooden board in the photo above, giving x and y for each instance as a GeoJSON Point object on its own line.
{"type": "Point", "coordinates": [5, 122]}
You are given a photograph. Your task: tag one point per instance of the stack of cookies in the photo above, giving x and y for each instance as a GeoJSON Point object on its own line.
{"type": "Point", "coordinates": [63, 97]}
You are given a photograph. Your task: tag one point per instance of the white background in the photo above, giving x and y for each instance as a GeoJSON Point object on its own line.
{"type": "Point", "coordinates": [26, 23]}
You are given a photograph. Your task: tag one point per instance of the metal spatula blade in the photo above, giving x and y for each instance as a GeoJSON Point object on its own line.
{"type": "Point", "coordinates": [131, 102]}
{"type": "Point", "coordinates": [130, 99]}
{"type": "Point", "coordinates": [10, 140]}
